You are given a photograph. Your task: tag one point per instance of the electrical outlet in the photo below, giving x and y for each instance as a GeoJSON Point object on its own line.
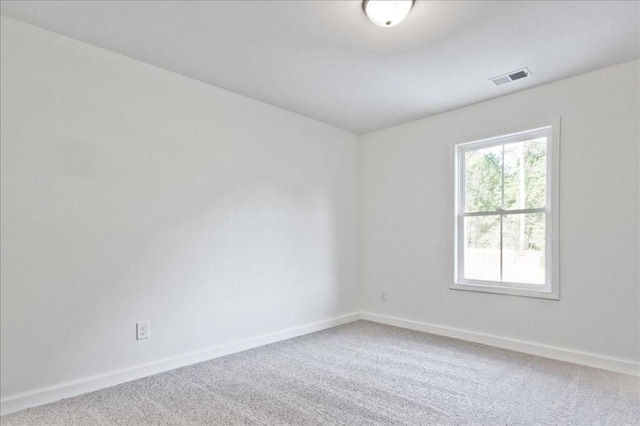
{"type": "Point", "coordinates": [142, 330]}
{"type": "Point", "coordinates": [383, 296]}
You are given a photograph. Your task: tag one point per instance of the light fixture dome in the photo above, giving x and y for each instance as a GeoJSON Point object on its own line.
{"type": "Point", "coordinates": [387, 13]}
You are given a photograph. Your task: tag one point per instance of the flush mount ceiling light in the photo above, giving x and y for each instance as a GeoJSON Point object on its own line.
{"type": "Point", "coordinates": [386, 13]}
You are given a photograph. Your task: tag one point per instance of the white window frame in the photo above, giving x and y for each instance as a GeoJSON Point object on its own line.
{"type": "Point", "coordinates": [551, 288]}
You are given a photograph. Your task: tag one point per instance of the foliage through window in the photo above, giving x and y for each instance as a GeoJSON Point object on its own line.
{"type": "Point", "coordinates": [505, 224]}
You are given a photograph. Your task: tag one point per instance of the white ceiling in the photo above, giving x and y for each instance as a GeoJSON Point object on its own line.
{"type": "Point", "coordinates": [325, 60]}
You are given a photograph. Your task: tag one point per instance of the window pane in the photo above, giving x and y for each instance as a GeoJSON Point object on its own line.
{"type": "Point", "coordinates": [525, 174]}
{"type": "Point", "coordinates": [483, 178]}
{"type": "Point", "coordinates": [482, 248]}
{"type": "Point", "coordinates": [523, 239]}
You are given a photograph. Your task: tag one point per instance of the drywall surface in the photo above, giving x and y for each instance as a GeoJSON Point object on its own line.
{"type": "Point", "coordinates": [132, 194]}
{"type": "Point", "coordinates": [407, 217]}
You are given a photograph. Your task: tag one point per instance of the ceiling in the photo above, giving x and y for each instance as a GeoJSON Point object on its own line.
{"type": "Point", "coordinates": [327, 61]}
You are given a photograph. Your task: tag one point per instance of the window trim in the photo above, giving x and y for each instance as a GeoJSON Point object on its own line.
{"type": "Point", "coordinates": [551, 288]}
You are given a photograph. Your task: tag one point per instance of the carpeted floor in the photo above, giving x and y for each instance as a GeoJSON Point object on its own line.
{"type": "Point", "coordinates": [360, 373]}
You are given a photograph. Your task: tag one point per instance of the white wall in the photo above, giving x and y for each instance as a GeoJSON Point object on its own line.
{"type": "Point", "coordinates": [130, 193]}
{"type": "Point", "coordinates": [407, 217]}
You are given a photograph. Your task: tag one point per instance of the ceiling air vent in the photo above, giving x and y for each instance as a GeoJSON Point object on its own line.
{"type": "Point", "coordinates": [512, 76]}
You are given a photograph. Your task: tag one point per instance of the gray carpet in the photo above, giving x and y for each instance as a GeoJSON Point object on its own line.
{"type": "Point", "coordinates": [360, 373]}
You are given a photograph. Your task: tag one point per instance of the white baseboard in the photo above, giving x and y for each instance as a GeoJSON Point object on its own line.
{"type": "Point", "coordinates": [17, 402]}
{"type": "Point", "coordinates": [20, 401]}
{"type": "Point", "coordinates": [617, 365]}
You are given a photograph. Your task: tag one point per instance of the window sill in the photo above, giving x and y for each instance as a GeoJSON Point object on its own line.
{"type": "Point", "coordinates": [507, 290]}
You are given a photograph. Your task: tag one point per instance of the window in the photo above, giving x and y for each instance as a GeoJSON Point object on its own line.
{"type": "Point", "coordinates": [506, 214]}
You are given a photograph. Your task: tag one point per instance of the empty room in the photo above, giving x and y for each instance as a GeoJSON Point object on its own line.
{"type": "Point", "coordinates": [320, 212]}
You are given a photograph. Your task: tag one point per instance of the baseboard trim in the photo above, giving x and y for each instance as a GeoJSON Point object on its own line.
{"type": "Point", "coordinates": [46, 395]}
{"type": "Point", "coordinates": [617, 365]}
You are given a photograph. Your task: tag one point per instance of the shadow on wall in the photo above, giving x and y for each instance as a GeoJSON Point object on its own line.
{"type": "Point", "coordinates": [252, 260]}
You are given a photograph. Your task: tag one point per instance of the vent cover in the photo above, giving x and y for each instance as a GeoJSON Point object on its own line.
{"type": "Point", "coordinates": [512, 76]}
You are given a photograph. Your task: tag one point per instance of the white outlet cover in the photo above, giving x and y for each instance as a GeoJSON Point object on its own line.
{"type": "Point", "coordinates": [142, 330]}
